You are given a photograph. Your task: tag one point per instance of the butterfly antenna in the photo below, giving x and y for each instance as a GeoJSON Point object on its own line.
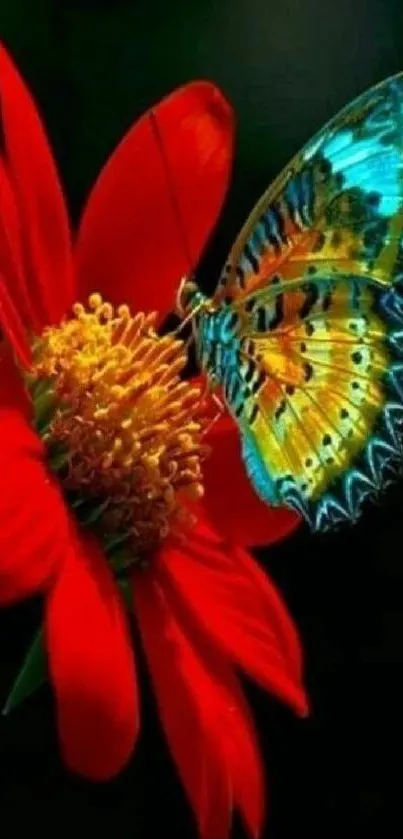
{"type": "Point", "coordinates": [178, 297]}
{"type": "Point", "coordinates": [189, 317]}
{"type": "Point", "coordinates": [181, 227]}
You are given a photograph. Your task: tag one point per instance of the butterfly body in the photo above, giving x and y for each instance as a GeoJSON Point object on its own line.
{"type": "Point", "coordinates": [304, 334]}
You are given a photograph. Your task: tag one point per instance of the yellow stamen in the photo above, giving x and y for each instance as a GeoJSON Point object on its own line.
{"type": "Point", "coordinates": [130, 429]}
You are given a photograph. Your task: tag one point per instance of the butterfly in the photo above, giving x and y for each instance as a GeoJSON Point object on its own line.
{"type": "Point", "coordinates": [304, 333]}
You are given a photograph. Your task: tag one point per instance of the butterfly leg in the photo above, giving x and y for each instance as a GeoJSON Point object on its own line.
{"type": "Point", "coordinates": [220, 411]}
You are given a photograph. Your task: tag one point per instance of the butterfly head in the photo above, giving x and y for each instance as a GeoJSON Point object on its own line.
{"type": "Point", "coordinates": [189, 299]}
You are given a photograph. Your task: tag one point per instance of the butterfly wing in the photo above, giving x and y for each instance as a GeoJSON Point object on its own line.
{"type": "Point", "coordinates": [312, 290]}
{"type": "Point", "coordinates": [336, 205]}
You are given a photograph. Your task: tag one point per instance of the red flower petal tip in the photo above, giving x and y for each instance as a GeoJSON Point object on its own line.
{"type": "Point", "coordinates": [211, 101]}
{"type": "Point", "coordinates": [155, 203]}
{"type": "Point", "coordinates": [302, 706]}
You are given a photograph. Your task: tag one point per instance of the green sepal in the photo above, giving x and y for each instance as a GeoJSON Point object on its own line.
{"type": "Point", "coordinates": [58, 458]}
{"type": "Point", "coordinates": [32, 676]}
{"type": "Point", "coordinates": [34, 671]}
{"type": "Point", "coordinates": [96, 512]}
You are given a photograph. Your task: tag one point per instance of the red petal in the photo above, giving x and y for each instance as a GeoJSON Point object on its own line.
{"type": "Point", "coordinates": [244, 756]}
{"type": "Point", "coordinates": [34, 527]}
{"type": "Point", "coordinates": [12, 315]}
{"type": "Point", "coordinates": [187, 700]}
{"type": "Point", "coordinates": [230, 712]}
{"type": "Point", "coordinates": [11, 255]}
{"type": "Point", "coordinates": [91, 665]}
{"type": "Point", "coordinates": [232, 505]}
{"type": "Point", "coordinates": [12, 390]}
{"type": "Point", "coordinates": [236, 614]}
{"type": "Point", "coordinates": [155, 203]}
{"type": "Point", "coordinates": [12, 325]}
{"type": "Point", "coordinates": [276, 611]}
{"type": "Point", "coordinates": [48, 284]}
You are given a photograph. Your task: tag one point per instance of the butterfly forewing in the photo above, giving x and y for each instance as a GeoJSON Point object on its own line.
{"type": "Point", "coordinates": [334, 205]}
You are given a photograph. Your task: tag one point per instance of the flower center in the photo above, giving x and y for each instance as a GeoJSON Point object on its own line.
{"type": "Point", "coordinates": [122, 430]}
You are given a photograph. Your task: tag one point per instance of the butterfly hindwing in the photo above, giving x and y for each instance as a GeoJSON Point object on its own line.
{"type": "Point", "coordinates": [328, 399]}
{"type": "Point", "coordinates": [311, 366]}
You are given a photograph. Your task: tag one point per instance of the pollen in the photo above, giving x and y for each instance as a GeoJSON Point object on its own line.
{"type": "Point", "coordinates": [123, 430]}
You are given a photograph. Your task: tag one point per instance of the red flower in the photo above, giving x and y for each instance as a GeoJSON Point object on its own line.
{"type": "Point", "coordinates": [203, 607]}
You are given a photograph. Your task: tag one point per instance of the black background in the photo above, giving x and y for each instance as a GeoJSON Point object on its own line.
{"type": "Point", "coordinates": [286, 66]}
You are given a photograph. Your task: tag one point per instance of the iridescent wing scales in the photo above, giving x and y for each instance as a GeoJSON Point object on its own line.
{"type": "Point", "coordinates": [335, 206]}
{"type": "Point", "coordinates": [313, 288]}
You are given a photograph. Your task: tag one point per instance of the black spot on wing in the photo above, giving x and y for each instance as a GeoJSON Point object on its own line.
{"type": "Point", "coordinates": [250, 369]}
{"type": "Point", "coordinates": [308, 371]}
{"type": "Point", "coordinates": [373, 199]}
{"type": "Point", "coordinates": [273, 226]}
{"type": "Point", "coordinates": [319, 242]}
{"type": "Point", "coordinates": [253, 414]}
{"type": "Point", "coordinates": [261, 319]}
{"type": "Point", "coordinates": [279, 222]}
{"type": "Point", "coordinates": [277, 318]}
{"type": "Point", "coordinates": [251, 258]}
{"type": "Point", "coordinates": [240, 274]}
{"type": "Point", "coordinates": [339, 179]}
{"type": "Point", "coordinates": [236, 386]}
{"type": "Point", "coordinates": [327, 301]}
{"type": "Point", "coordinates": [311, 296]}
{"type": "Point", "coordinates": [259, 381]}
{"type": "Point", "coordinates": [280, 409]}
{"type": "Point", "coordinates": [324, 167]}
